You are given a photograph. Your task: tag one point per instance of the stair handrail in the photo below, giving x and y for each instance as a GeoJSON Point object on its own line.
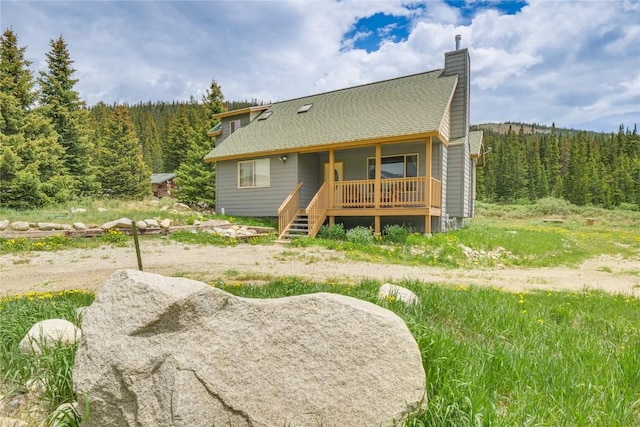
{"type": "Point", "coordinates": [317, 210]}
{"type": "Point", "coordinates": [288, 210]}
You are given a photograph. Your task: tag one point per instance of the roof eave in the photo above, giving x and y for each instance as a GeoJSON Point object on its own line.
{"type": "Point", "coordinates": [241, 111]}
{"type": "Point", "coordinates": [334, 145]}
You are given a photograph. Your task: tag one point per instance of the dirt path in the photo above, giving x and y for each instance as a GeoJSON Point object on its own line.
{"type": "Point", "coordinates": [89, 269]}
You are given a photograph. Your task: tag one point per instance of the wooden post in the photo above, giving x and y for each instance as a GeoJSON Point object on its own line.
{"type": "Point", "coordinates": [136, 243]}
{"type": "Point", "coordinates": [377, 187]}
{"type": "Point", "coordinates": [428, 172]}
{"type": "Point", "coordinates": [332, 168]}
{"type": "Point", "coordinates": [427, 185]}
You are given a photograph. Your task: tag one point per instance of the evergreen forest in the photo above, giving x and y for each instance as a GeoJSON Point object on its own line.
{"type": "Point", "coordinates": [54, 148]}
{"type": "Point", "coordinates": [585, 168]}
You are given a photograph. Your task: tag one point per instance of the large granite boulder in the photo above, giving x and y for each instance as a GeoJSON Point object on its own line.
{"type": "Point", "coordinates": [158, 351]}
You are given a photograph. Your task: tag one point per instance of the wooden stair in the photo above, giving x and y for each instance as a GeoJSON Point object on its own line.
{"type": "Point", "coordinates": [299, 227]}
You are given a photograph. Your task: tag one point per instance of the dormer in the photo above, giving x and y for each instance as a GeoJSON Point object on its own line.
{"type": "Point", "coordinates": [232, 121]}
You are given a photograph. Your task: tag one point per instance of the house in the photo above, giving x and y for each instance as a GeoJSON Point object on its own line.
{"type": "Point", "coordinates": [162, 184]}
{"type": "Point", "coordinates": [397, 151]}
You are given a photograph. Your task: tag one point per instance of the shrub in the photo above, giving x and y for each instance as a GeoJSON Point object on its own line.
{"type": "Point", "coordinates": [362, 235]}
{"type": "Point", "coordinates": [332, 232]}
{"type": "Point", "coordinates": [552, 206]}
{"type": "Point", "coordinates": [396, 233]}
{"type": "Point", "coordinates": [629, 207]}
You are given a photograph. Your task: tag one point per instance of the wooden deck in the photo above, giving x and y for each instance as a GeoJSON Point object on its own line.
{"type": "Point", "coordinates": [367, 197]}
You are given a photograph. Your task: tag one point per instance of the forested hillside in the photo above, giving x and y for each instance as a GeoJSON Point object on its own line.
{"type": "Point", "coordinates": [585, 168]}
{"type": "Point", "coordinates": [54, 148]}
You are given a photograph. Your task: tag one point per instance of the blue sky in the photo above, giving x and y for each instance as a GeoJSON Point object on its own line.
{"type": "Point", "coordinates": [573, 62]}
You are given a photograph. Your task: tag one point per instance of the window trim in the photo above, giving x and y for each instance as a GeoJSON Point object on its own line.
{"type": "Point", "coordinates": [266, 161]}
{"type": "Point", "coordinates": [404, 169]}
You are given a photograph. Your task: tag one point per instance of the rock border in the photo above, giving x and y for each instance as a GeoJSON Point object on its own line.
{"type": "Point", "coordinates": [164, 227]}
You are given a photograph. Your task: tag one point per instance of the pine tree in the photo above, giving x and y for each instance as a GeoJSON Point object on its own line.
{"type": "Point", "coordinates": [180, 138]}
{"type": "Point", "coordinates": [62, 104]}
{"type": "Point", "coordinates": [16, 78]}
{"type": "Point", "coordinates": [576, 182]}
{"type": "Point", "coordinates": [213, 100]}
{"type": "Point", "coordinates": [32, 173]}
{"type": "Point", "coordinates": [194, 177]}
{"type": "Point", "coordinates": [121, 168]}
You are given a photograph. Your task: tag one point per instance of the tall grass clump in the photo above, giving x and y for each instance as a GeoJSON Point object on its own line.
{"type": "Point", "coordinates": [498, 358]}
{"type": "Point", "coordinates": [52, 369]}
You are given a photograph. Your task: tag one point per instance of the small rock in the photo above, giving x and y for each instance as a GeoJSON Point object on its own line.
{"type": "Point", "coordinates": [4, 224]}
{"type": "Point", "coordinates": [20, 226]}
{"type": "Point", "coordinates": [164, 208]}
{"type": "Point", "coordinates": [80, 311]}
{"type": "Point", "coordinates": [165, 223]}
{"type": "Point", "coordinates": [151, 223]}
{"type": "Point", "coordinates": [12, 422]}
{"type": "Point", "coordinates": [404, 295]}
{"type": "Point", "coordinates": [118, 223]}
{"type": "Point", "coordinates": [79, 226]}
{"type": "Point", "coordinates": [48, 226]}
{"type": "Point", "coordinates": [63, 414]}
{"type": "Point", "coordinates": [78, 210]}
{"type": "Point", "coordinates": [181, 207]}
{"type": "Point", "coordinates": [101, 209]}
{"type": "Point", "coordinates": [36, 385]}
{"type": "Point", "coordinates": [48, 333]}
{"type": "Point", "coordinates": [141, 225]}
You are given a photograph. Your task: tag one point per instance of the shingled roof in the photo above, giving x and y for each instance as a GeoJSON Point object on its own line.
{"type": "Point", "coordinates": [475, 145]}
{"type": "Point", "coordinates": [405, 106]}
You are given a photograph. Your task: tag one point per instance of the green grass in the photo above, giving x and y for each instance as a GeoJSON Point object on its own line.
{"type": "Point", "coordinates": [503, 359]}
{"type": "Point", "coordinates": [491, 357]}
{"type": "Point", "coordinates": [514, 244]}
{"type": "Point", "coordinates": [53, 368]}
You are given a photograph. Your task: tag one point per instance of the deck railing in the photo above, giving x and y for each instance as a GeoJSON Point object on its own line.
{"type": "Point", "coordinates": [394, 192]}
{"type": "Point", "coordinates": [317, 209]}
{"type": "Point", "coordinates": [288, 209]}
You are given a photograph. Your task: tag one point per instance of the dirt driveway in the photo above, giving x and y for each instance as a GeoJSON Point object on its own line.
{"type": "Point", "coordinates": [89, 268]}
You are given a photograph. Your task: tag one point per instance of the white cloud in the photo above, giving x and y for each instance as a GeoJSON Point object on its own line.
{"type": "Point", "coordinates": [572, 62]}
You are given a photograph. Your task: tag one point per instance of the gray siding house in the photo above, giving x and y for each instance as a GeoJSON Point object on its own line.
{"type": "Point", "coordinates": [399, 152]}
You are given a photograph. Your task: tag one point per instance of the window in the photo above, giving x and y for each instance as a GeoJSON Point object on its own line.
{"type": "Point", "coordinates": [305, 108]}
{"type": "Point", "coordinates": [254, 173]}
{"type": "Point", "coordinates": [234, 126]}
{"type": "Point", "coordinates": [265, 115]}
{"type": "Point", "coordinates": [401, 166]}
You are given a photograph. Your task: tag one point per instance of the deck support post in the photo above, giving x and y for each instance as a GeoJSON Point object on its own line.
{"type": "Point", "coordinates": [427, 225]}
{"type": "Point", "coordinates": [427, 184]}
{"type": "Point", "coordinates": [332, 186]}
{"type": "Point", "coordinates": [377, 187]}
